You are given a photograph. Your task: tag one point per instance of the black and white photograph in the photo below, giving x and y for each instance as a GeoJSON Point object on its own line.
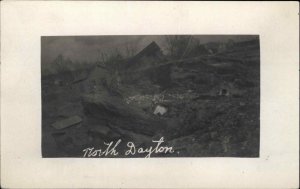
{"type": "Point", "coordinates": [149, 94]}
{"type": "Point", "coordinates": [137, 96]}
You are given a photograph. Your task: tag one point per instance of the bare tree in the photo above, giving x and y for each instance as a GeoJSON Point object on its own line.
{"type": "Point", "coordinates": [59, 63]}
{"type": "Point", "coordinates": [130, 49]}
{"type": "Point", "coordinates": [177, 45]}
{"type": "Point", "coordinates": [102, 58]}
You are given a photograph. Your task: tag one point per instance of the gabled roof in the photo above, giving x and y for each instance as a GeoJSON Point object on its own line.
{"type": "Point", "coordinates": [151, 50]}
{"type": "Point", "coordinates": [150, 54]}
{"type": "Point", "coordinates": [80, 76]}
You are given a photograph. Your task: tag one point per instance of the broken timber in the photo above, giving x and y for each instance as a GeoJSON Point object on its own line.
{"type": "Point", "coordinates": [71, 121]}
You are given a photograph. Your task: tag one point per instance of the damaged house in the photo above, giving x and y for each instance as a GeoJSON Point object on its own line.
{"type": "Point", "coordinates": [149, 56]}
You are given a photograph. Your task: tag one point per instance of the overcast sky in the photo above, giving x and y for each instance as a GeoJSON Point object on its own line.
{"type": "Point", "coordinates": [87, 48]}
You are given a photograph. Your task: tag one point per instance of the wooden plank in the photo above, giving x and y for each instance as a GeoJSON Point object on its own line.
{"type": "Point", "coordinates": [71, 121]}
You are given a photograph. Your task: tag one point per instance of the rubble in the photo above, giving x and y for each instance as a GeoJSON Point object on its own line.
{"type": "Point", "coordinates": [105, 107]}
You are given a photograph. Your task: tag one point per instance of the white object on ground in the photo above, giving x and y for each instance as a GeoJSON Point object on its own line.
{"type": "Point", "coordinates": [160, 110]}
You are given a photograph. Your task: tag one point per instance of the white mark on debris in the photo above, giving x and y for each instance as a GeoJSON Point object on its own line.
{"type": "Point", "coordinates": [160, 110]}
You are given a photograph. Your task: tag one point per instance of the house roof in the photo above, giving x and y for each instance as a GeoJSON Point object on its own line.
{"type": "Point", "coordinates": [151, 50]}
{"type": "Point", "coordinates": [80, 77]}
{"type": "Point", "coordinates": [151, 53]}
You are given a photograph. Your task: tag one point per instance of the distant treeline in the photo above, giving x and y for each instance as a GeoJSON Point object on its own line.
{"type": "Point", "coordinates": [176, 47]}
